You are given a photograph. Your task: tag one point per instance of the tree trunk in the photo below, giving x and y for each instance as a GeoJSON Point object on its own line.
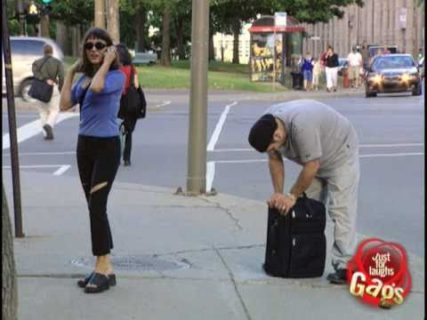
{"type": "Point", "coordinates": [211, 48]}
{"type": "Point", "coordinates": [165, 59]}
{"type": "Point", "coordinates": [44, 26]}
{"type": "Point", "coordinates": [180, 38]}
{"type": "Point", "coordinates": [236, 33]}
{"type": "Point", "coordinates": [100, 14]}
{"type": "Point", "coordinates": [62, 37]}
{"type": "Point", "coordinates": [140, 29]}
{"type": "Point", "coordinates": [9, 292]}
{"type": "Point", "coordinates": [113, 22]}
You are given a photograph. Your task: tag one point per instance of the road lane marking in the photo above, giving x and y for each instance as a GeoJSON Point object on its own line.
{"type": "Point", "coordinates": [62, 167]}
{"type": "Point", "coordinates": [374, 155]}
{"type": "Point", "coordinates": [165, 103]}
{"type": "Point", "coordinates": [379, 155]}
{"type": "Point", "coordinates": [210, 174]}
{"type": "Point", "coordinates": [33, 128]}
{"type": "Point", "coordinates": [210, 168]}
{"type": "Point", "coordinates": [61, 170]}
{"type": "Point", "coordinates": [218, 128]}
{"type": "Point", "coordinates": [386, 145]}
{"type": "Point", "coordinates": [43, 153]}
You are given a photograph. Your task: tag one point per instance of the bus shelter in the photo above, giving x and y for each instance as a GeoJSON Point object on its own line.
{"type": "Point", "coordinates": [273, 48]}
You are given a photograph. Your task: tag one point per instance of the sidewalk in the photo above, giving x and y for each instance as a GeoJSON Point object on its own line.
{"type": "Point", "coordinates": [175, 257]}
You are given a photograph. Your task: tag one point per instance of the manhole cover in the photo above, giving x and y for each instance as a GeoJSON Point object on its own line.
{"type": "Point", "coordinates": [136, 263]}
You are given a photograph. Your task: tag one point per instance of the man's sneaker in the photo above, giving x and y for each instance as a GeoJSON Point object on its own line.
{"type": "Point", "coordinates": [49, 132]}
{"type": "Point", "coordinates": [339, 277]}
{"type": "Point", "coordinates": [126, 163]}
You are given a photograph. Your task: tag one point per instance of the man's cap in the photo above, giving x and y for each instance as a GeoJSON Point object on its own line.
{"type": "Point", "coordinates": [261, 134]}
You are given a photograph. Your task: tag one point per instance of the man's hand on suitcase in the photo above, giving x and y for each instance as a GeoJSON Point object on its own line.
{"type": "Point", "coordinates": [281, 202]}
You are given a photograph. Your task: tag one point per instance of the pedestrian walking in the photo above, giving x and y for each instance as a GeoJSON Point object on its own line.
{"type": "Point", "coordinates": [331, 69]}
{"type": "Point", "coordinates": [307, 71]}
{"type": "Point", "coordinates": [325, 144]}
{"type": "Point", "coordinates": [317, 71]}
{"type": "Point", "coordinates": [98, 92]}
{"type": "Point", "coordinates": [355, 64]}
{"type": "Point", "coordinates": [129, 119]}
{"type": "Point", "coordinates": [50, 70]}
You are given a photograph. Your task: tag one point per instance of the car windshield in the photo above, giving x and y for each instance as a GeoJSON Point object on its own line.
{"type": "Point", "coordinates": [393, 62]}
{"type": "Point", "coordinates": [27, 47]}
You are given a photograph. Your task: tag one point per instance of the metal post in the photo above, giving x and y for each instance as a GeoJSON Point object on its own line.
{"type": "Point", "coordinates": [196, 177]}
{"type": "Point", "coordinates": [12, 125]}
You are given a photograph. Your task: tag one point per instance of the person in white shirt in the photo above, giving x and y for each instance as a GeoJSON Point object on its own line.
{"type": "Point", "coordinates": [355, 61]}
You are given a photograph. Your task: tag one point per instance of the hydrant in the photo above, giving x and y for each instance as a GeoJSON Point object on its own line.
{"type": "Point", "coordinates": [345, 79]}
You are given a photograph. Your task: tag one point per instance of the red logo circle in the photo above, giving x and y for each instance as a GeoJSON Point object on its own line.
{"type": "Point", "coordinates": [378, 273]}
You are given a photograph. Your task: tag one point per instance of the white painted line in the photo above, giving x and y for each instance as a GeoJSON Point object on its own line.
{"type": "Point", "coordinates": [165, 103]}
{"type": "Point", "coordinates": [35, 166]}
{"type": "Point", "coordinates": [242, 161]}
{"type": "Point", "coordinates": [43, 153]}
{"type": "Point", "coordinates": [61, 170]}
{"type": "Point", "coordinates": [210, 175]}
{"type": "Point", "coordinates": [379, 155]}
{"type": "Point", "coordinates": [218, 128]}
{"type": "Point", "coordinates": [374, 155]}
{"type": "Point", "coordinates": [395, 145]}
{"type": "Point", "coordinates": [33, 128]}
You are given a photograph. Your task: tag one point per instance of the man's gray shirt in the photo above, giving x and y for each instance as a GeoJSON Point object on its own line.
{"type": "Point", "coordinates": [316, 131]}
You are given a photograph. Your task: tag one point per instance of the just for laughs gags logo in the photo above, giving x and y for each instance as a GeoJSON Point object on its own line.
{"type": "Point", "coordinates": [378, 273]}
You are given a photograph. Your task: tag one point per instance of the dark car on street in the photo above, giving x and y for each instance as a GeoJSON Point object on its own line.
{"type": "Point", "coordinates": [389, 73]}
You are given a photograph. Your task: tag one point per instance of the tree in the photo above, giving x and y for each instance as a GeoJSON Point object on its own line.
{"type": "Point", "coordinates": [113, 21]}
{"type": "Point", "coordinates": [9, 286]}
{"type": "Point", "coordinates": [165, 59]}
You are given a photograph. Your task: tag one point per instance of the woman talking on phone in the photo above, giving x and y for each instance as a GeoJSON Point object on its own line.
{"type": "Point", "coordinates": [98, 92]}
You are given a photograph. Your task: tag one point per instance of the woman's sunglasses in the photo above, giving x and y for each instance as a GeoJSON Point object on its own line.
{"type": "Point", "coordinates": [97, 45]}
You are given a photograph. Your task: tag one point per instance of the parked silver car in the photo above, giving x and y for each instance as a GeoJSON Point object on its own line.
{"type": "Point", "coordinates": [24, 51]}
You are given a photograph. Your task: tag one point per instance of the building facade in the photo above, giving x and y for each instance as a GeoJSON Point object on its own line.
{"type": "Point", "coordinates": [383, 22]}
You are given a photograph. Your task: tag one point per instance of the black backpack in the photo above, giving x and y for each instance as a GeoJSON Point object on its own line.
{"type": "Point", "coordinates": [133, 104]}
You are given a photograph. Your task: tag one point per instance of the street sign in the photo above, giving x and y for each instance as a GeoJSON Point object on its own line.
{"type": "Point", "coordinates": [280, 19]}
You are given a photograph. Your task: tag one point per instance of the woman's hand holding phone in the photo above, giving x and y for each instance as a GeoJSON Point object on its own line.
{"type": "Point", "coordinates": [110, 55]}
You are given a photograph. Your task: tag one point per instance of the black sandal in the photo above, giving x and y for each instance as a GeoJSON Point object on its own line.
{"type": "Point", "coordinates": [83, 282]}
{"type": "Point", "coordinates": [98, 282]}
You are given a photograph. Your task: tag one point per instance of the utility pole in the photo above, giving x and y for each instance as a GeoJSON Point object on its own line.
{"type": "Point", "coordinates": [12, 124]}
{"type": "Point", "coordinates": [196, 177]}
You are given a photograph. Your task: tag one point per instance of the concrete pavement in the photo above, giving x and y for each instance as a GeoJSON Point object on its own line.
{"type": "Point", "coordinates": [175, 257]}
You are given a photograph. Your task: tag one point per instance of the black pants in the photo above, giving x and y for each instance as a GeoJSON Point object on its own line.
{"type": "Point", "coordinates": [98, 160]}
{"type": "Point", "coordinates": [128, 127]}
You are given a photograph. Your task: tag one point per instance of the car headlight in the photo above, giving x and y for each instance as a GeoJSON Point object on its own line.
{"type": "Point", "coordinates": [377, 78]}
{"type": "Point", "coordinates": [406, 77]}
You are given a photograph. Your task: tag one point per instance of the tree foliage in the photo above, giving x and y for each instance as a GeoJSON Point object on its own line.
{"type": "Point", "coordinates": [73, 12]}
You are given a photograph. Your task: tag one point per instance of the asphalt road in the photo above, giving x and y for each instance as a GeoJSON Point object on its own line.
{"type": "Point", "coordinates": [390, 129]}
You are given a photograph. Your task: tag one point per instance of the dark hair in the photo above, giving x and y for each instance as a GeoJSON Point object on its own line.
{"type": "Point", "coordinates": [47, 49]}
{"type": "Point", "coordinates": [124, 54]}
{"type": "Point", "coordinates": [96, 33]}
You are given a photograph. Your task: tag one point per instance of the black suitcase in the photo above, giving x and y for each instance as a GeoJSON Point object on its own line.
{"type": "Point", "coordinates": [296, 242]}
